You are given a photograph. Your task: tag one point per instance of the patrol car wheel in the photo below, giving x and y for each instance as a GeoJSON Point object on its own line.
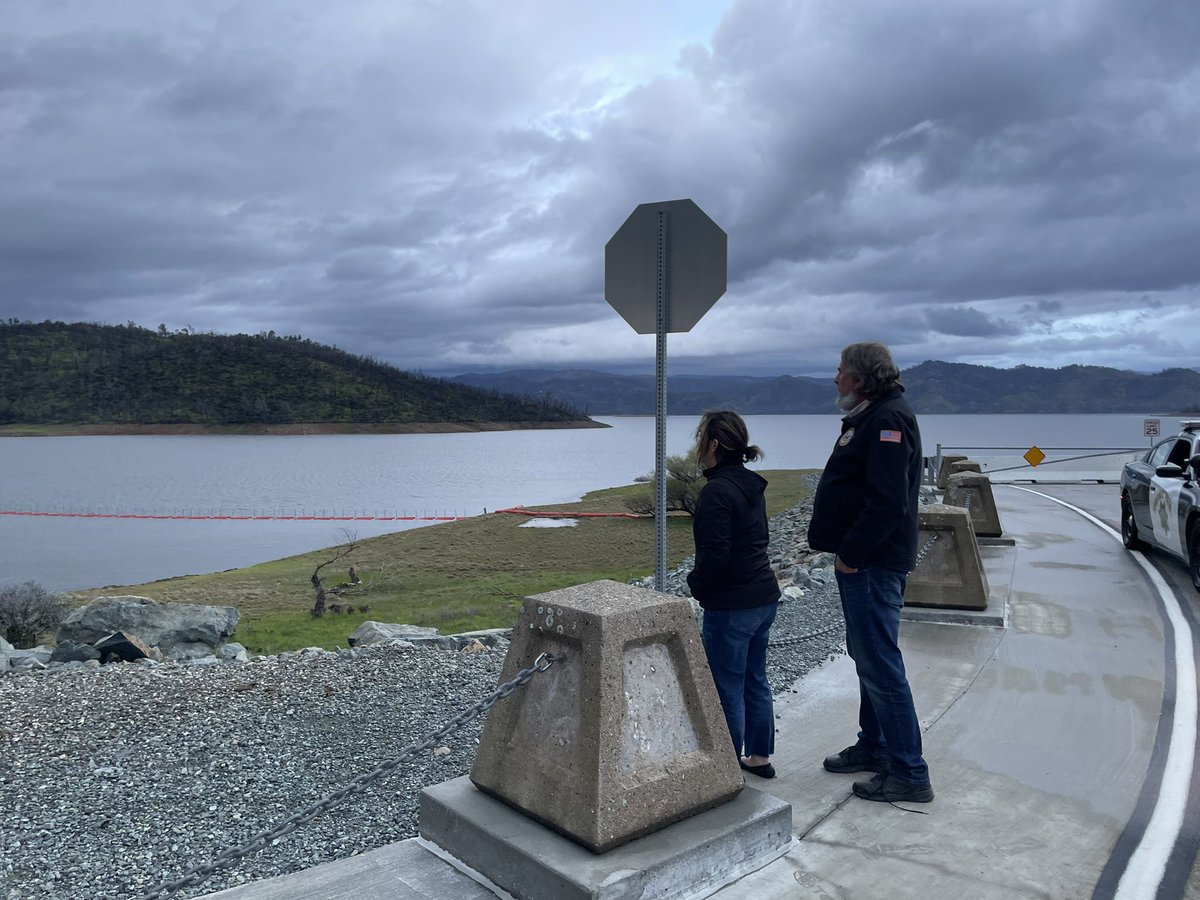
{"type": "Point", "coordinates": [1129, 532]}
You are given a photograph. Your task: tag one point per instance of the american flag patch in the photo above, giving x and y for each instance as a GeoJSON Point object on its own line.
{"type": "Point", "coordinates": [892, 437]}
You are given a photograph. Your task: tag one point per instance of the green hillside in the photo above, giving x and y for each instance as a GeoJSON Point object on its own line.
{"type": "Point", "coordinates": [84, 374]}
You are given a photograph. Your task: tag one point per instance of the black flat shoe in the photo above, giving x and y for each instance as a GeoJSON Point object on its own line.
{"type": "Point", "coordinates": [890, 789]}
{"type": "Point", "coordinates": [766, 770]}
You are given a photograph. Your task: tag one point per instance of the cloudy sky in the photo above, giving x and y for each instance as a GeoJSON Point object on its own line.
{"type": "Point", "coordinates": [432, 182]}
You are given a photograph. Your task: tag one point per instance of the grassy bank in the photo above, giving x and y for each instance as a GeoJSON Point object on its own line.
{"type": "Point", "coordinates": [456, 576]}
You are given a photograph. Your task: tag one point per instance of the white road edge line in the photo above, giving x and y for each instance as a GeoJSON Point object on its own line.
{"type": "Point", "coordinates": [1148, 864]}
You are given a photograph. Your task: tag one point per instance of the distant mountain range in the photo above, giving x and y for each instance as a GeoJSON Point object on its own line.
{"type": "Point", "coordinates": [932, 387]}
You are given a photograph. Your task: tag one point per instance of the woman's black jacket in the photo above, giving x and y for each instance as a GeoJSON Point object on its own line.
{"type": "Point", "coordinates": [732, 569]}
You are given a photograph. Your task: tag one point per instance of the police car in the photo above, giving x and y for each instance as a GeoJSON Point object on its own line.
{"type": "Point", "coordinates": [1160, 498]}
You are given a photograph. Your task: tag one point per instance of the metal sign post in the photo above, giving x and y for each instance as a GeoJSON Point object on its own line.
{"type": "Point", "coordinates": [664, 268]}
{"type": "Point", "coordinates": [662, 321]}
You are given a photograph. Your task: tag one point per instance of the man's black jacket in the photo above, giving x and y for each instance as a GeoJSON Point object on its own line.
{"type": "Point", "coordinates": [865, 509]}
{"type": "Point", "coordinates": [732, 569]}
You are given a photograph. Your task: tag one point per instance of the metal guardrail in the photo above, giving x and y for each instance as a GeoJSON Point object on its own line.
{"type": "Point", "coordinates": [1092, 464]}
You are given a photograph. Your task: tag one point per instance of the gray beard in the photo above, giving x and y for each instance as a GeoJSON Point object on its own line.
{"type": "Point", "coordinates": [847, 402]}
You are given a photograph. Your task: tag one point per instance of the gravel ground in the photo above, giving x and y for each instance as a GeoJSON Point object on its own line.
{"type": "Point", "coordinates": [114, 781]}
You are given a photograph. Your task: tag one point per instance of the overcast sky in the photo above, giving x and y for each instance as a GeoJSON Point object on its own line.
{"type": "Point", "coordinates": [433, 183]}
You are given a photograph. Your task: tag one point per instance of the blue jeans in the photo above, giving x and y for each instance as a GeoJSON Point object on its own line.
{"type": "Point", "coordinates": [735, 642]}
{"type": "Point", "coordinates": [871, 601]}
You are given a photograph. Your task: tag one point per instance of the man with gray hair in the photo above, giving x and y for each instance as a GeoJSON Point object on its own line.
{"type": "Point", "coordinates": [865, 512]}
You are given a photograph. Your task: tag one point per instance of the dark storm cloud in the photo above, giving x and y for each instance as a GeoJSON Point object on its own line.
{"type": "Point", "coordinates": [966, 322]}
{"type": "Point", "coordinates": [433, 183]}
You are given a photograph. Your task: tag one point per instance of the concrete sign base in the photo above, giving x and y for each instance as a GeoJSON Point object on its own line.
{"type": "Point", "coordinates": [950, 574]}
{"type": "Point", "coordinates": [692, 858]}
{"type": "Point", "coordinates": [973, 490]}
{"type": "Point", "coordinates": [624, 734]}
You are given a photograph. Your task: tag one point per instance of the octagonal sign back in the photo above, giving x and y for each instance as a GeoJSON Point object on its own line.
{"type": "Point", "coordinates": [696, 266]}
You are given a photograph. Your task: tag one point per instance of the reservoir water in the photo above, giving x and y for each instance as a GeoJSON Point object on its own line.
{"type": "Point", "coordinates": [423, 475]}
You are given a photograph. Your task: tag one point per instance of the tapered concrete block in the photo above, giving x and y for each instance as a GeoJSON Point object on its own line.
{"type": "Point", "coordinates": [949, 573]}
{"type": "Point", "coordinates": [944, 470]}
{"type": "Point", "coordinates": [624, 734]}
{"type": "Point", "coordinates": [962, 465]}
{"type": "Point", "coordinates": [973, 490]}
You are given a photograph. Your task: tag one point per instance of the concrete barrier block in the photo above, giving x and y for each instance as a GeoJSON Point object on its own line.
{"type": "Point", "coordinates": [621, 737]}
{"type": "Point", "coordinates": [962, 465]}
{"type": "Point", "coordinates": [944, 469]}
{"type": "Point", "coordinates": [689, 859]}
{"type": "Point", "coordinates": [950, 573]}
{"type": "Point", "coordinates": [973, 490]}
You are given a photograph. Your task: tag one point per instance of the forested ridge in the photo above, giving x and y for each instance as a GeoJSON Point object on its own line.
{"type": "Point", "coordinates": [80, 374]}
{"type": "Point", "coordinates": [932, 387]}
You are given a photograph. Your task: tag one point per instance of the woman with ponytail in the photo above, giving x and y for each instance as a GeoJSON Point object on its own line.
{"type": "Point", "coordinates": [733, 582]}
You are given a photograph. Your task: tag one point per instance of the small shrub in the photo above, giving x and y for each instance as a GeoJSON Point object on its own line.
{"type": "Point", "coordinates": [685, 478]}
{"type": "Point", "coordinates": [27, 611]}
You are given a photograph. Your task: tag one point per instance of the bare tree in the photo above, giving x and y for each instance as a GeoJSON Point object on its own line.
{"type": "Point", "coordinates": [339, 552]}
{"type": "Point", "coordinates": [684, 481]}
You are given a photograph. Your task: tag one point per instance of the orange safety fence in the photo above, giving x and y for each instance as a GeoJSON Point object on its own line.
{"type": "Point", "coordinates": [232, 517]}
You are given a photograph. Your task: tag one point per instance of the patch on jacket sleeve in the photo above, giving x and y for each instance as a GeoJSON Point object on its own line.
{"type": "Point", "coordinates": [892, 437]}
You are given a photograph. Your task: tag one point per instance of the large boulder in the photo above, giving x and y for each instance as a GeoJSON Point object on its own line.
{"type": "Point", "coordinates": [375, 632]}
{"type": "Point", "coordinates": [162, 625]}
{"type": "Point", "coordinates": [369, 633]}
{"type": "Point", "coordinates": [69, 651]}
{"type": "Point", "coordinates": [30, 660]}
{"type": "Point", "coordinates": [125, 647]}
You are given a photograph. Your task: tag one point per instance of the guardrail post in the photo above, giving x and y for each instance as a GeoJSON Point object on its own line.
{"type": "Point", "coordinates": [973, 491]}
{"type": "Point", "coordinates": [630, 701]}
{"type": "Point", "coordinates": [950, 572]}
{"type": "Point", "coordinates": [944, 469]}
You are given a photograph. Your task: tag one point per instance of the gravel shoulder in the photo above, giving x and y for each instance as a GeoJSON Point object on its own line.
{"type": "Point", "coordinates": [117, 780]}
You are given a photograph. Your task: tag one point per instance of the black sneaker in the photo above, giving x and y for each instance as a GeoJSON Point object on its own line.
{"type": "Point", "coordinates": [856, 759]}
{"type": "Point", "coordinates": [890, 789]}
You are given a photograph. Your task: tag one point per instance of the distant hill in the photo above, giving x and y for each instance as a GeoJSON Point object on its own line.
{"type": "Point", "coordinates": [932, 387]}
{"type": "Point", "coordinates": [81, 374]}
{"type": "Point", "coordinates": [600, 393]}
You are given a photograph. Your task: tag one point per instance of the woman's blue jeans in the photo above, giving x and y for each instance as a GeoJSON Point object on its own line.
{"type": "Point", "coordinates": [871, 601]}
{"type": "Point", "coordinates": [735, 642]}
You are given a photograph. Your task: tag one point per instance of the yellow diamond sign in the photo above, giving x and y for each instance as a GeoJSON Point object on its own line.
{"type": "Point", "coordinates": [1033, 456]}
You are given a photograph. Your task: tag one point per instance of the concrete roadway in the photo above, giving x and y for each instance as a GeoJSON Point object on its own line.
{"type": "Point", "coordinates": [1062, 747]}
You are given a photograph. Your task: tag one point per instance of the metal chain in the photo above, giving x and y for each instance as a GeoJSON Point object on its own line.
{"type": "Point", "coordinates": [263, 839]}
{"type": "Point", "coordinates": [929, 543]}
{"type": "Point", "coordinates": [787, 642]}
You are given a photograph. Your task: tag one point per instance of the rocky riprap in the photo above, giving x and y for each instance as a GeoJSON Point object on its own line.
{"type": "Point", "coordinates": [116, 779]}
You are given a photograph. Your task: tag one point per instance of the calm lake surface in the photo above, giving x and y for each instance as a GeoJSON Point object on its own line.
{"type": "Point", "coordinates": [389, 475]}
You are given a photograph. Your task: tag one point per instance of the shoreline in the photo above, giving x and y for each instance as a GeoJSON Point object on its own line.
{"type": "Point", "coordinates": [284, 429]}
